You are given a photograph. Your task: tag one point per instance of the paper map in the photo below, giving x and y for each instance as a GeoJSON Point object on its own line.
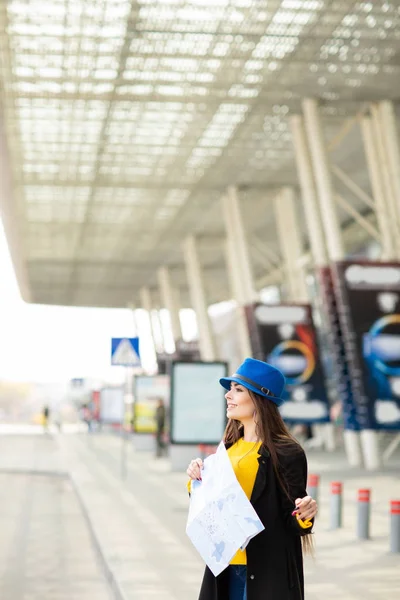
{"type": "Point", "coordinates": [221, 518]}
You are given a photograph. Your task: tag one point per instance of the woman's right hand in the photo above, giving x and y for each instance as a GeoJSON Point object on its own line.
{"type": "Point", "coordinates": [194, 469]}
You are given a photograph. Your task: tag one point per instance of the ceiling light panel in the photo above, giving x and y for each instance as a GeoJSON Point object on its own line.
{"type": "Point", "coordinates": [51, 241]}
{"type": "Point", "coordinates": [120, 114]}
{"type": "Point", "coordinates": [55, 203]}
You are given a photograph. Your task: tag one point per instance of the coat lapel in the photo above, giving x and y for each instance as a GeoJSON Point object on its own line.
{"type": "Point", "coordinates": [261, 477]}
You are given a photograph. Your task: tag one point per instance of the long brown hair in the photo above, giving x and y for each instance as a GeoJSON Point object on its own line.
{"type": "Point", "coordinates": [274, 436]}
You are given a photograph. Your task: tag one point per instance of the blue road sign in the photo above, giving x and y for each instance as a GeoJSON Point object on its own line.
{"type": "Point", "coordinates": [125, 352]}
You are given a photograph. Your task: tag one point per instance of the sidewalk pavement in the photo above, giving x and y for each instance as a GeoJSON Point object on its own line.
{"type": "Point", "coordinates": [147, 548]}
{"type": "Point", "coordinates": [46, 551]}
{"type": "Point", "coordinates": [138, 522]}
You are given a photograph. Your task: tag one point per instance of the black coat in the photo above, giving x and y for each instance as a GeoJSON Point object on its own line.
{"type": "Point", "coordinates": [274, 556]}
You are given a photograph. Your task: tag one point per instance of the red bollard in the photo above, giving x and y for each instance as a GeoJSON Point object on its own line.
{"type": "Point", "coordinates": [395, 526]}
{"type": "Point", "coordinates": [202, 451]}
{"type": "Point", "coordinates": [312, 486]}
{"type": "Point", "coordinates": [363, 514]}
{"type": "Point", "coordinates": [336, 504]}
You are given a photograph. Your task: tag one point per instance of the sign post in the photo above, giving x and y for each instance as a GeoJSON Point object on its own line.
{"type": "Point", "coordinates": [125, 353]}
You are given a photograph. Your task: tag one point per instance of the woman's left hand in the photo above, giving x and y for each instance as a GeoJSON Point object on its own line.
{"type": "Point", "coordinates": [306, 508]}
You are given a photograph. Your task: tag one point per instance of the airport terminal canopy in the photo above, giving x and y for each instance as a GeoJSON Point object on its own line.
{"type": "Point", "coordinates": [126, 120]}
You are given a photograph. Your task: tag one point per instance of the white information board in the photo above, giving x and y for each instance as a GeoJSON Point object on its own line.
{"type": "Point", "coordinates": [198, 406]}
{"type": "Point", "coordinates": [112, 405]}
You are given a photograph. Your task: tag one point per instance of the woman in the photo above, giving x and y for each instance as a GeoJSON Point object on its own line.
{"type": "Point", "coordinates": [272, 470]}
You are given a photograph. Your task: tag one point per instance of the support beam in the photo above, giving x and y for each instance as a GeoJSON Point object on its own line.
{"type": "Point", "coordinates": [347, 126]}
{"type": "Point", "coordinates": [261, 257]}
{"type": "Point", "coordinates": [352, 186]}
{"type": "Point", "coordinates": [290, 243]}
{"type": "Point", "coordinates": [383, 162]}
{"type": "Point", "coordinates": [169, 301]}
{"type": "Point", "coordinates": [236, 292]}
{"type": "Point", "coordinates": [146, 303]}
{"type": "Point", "coordinates": [158, 326]}
{"type": "Point", "coordinates": [308, 191]}
{"type": "Point", "coordinates": [378, 189]}
{"type": "Point", "coordinates": [198, 298]}
{"type": "Point", "coordinates": [362, 221]}
{"type": "Point", "coordinates": [238, 265]}
{"type": "Point", "coordinates": [132, 308]}
{"type": "Point", "coordinates": [323, 181]}
{"type": "Point", "coordinates": [392, 147]}
{"type": "Point", "coordinates": [272, 257]}
{"type": "Point", "coordinates": [275, 277]}
{"type": "Point", "coordinates": [232, 207]}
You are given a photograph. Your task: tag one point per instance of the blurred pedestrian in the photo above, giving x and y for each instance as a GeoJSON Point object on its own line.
{"type": "Point", "coordinates": [271, 467]}
{"type": "Point", "coordinates": [160, 427]}
{"type": "Point", "coordinates": [87, 417]}
{"type": "Point", "coordinates": [45, 417]}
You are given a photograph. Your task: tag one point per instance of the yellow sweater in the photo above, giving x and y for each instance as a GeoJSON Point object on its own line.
{"type": "Point", "coordinates": [244, 459]}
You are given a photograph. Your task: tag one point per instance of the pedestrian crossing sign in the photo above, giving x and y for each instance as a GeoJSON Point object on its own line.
{"type": "Point", "coordinates": [125, 352]}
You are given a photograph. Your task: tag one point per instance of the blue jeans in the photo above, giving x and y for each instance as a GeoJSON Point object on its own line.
{"type": "Point", "coordinates": [237, 582]}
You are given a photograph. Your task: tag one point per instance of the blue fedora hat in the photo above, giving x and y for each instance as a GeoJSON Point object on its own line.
{"type": "Point", "coordinates": [259, 377]}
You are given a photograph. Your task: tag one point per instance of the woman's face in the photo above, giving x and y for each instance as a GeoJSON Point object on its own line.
{"type": "Point", "coordinates": [240, 405]}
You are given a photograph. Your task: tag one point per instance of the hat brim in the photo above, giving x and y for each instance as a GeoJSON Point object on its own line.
{"type": "Point", "coordinates": [226, 383]}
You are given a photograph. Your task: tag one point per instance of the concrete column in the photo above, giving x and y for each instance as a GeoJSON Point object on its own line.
{"type": "Point", "coordinates": [158, 325]}
{"type": "Point", "coordinates": [308, 192]}
{"type": "Point", "coordinates": [330, 221]}
{"type": "Point", "coordinates": [168, 298]}
{"type": "Point", "coordinates": [290, 243]}
{"type": "Point", "coordinates": [242, 327]}
{"type": "Point", "coordinates": [383, 163]}
{"type": "Point", "coordinates": [388, 123]}
{"type": "Point", "coordinates": [378, 190]}
{"type": "Point", "coordinates": [198, 298]}
{"type": "Point", "coordinates": [132, 308]}
{"type": "Point", "coordinates": [145, 301]}
{"type": "Point", "coordinates": [323, 180]}
{"type": "Point", "coordinates": [239, 267]}
{"type": "Point", "coordinates": [237, 230]}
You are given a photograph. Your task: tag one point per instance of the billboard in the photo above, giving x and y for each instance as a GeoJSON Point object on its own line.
{"type": "Point", "coordinates": [198, 406]}
{"type": "Point", "coordinates": [368, 295]}
{"type": "Point", "coordinates": [112, 405]}
{"type": "Point", "coordinates": [284, 336]}
{"type": "Point", "coordinates": [338, 369]}
{"type": "Point", "coordinates": [148, 390]}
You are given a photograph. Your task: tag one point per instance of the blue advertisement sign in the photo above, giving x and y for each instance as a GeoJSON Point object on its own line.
{"type": "Point", "coordinates": [369, 310]}
{"type": "Point", "coordinates": [284, 336]}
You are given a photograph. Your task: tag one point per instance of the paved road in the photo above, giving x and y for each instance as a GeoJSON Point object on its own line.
{"type": "Point", "coordinates": [139, 524]}
{"type": "Point", "coordinates": [46, 552]}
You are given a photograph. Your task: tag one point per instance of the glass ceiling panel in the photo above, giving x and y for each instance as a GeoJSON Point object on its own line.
{"type": "Point", "coordinates": [113, 105]}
